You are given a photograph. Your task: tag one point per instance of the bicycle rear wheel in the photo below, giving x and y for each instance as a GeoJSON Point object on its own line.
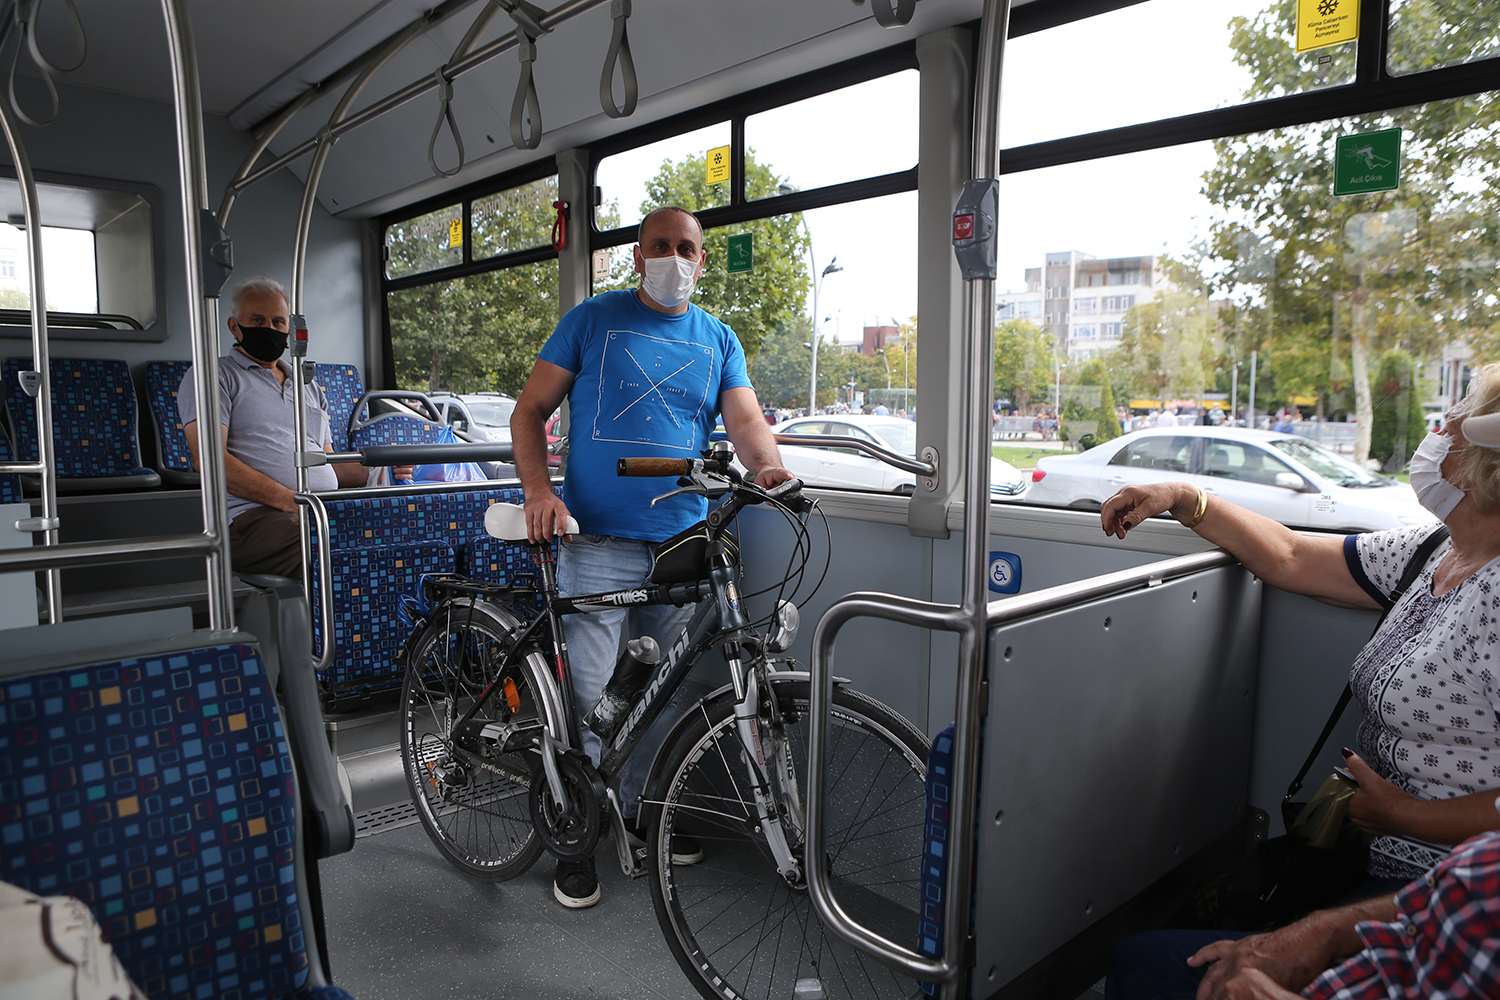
{"type": "Point", "coordinates": [470, 784]}
{"type": "Point", "coordinates": [735, 926]}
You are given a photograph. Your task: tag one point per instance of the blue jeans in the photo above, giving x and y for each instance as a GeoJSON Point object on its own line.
{"type": "Point", "coordinates": [592, 564]}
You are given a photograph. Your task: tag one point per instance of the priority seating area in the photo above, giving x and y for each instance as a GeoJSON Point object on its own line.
{"type": "Point", "coordinates": [175, 782]}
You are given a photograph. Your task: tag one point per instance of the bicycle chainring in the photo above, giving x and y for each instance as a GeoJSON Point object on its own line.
{"type": "Point", "coordinates": [570, 831]}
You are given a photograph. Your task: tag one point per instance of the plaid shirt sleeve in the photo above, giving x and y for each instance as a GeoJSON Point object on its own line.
{"type": "Point", "coordinates": [1444, 942]}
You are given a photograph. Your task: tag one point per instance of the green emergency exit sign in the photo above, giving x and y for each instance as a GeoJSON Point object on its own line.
{"type": "Point", "coordinates": [741, 254]}
{"type": "Point", "coordinates": [1370, 161]}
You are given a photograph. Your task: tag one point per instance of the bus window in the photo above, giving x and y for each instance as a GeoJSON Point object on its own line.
{"type": "Point", "coordinates": [670, 172]}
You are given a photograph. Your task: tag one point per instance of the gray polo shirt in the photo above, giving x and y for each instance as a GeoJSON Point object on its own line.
{"type": "Point", "coordinates": [261, 417]}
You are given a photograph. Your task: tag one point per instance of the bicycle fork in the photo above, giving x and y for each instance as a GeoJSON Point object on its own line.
{"type": "Point", "coordinates": [773, 779]}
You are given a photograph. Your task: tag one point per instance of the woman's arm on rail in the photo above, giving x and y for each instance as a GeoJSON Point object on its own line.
{"type": "Point", "coordinates": [1273, 552]}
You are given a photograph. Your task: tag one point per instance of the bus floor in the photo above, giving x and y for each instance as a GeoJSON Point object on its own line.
{"type": "Point", "coordinates": [402, 923]}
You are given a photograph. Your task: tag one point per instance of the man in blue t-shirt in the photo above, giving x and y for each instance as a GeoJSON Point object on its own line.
{"type": "Point", "coordinates": [645, 374]}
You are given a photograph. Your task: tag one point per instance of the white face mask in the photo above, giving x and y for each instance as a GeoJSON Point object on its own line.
{"type": "Point", "coordinates": [669, 280]}
{"type": "Point", "coordinates": [1433, 491]}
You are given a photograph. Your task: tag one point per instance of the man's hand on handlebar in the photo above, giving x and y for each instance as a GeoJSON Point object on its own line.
{"type": "Point", "coordinates": [546, 518]}
{"type": "Point", "coordinates": [771, 475]}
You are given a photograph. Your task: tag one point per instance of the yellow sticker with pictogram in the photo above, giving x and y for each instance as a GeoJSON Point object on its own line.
{"type": "Point", "coordinates": [456, 233]}
{"type": "Point", "coordinates": [1321, 23]}
{"type": "Point", "coordinates": [717, 161]}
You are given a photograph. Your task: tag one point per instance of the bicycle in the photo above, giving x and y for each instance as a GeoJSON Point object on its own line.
{"type": "Point", "coordinates": [490, 743]}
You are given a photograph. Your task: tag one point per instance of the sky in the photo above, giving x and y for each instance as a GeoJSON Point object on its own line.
{"type": "Point", "coordinates": [1177, 62]}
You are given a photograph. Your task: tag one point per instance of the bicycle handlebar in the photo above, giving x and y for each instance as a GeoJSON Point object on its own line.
{"type": "Point", "coordinates": [654, 467]}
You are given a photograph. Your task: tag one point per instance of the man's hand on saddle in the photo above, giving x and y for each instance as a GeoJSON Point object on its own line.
{"type": "Point", "coordinates": [546, 518]}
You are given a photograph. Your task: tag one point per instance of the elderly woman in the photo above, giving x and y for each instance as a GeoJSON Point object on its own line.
{"type": "Point", "coordinates": [1429, 679]}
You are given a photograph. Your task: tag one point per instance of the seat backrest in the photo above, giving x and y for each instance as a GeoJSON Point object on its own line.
{"type": "Point", "coordinates": [342, 388]}
{"type": "Point", "coordinates": [93, 414]}
{"type": "Point", "coordinates": [395, 428]}
{"type": "Point", "coordinates": [158, 789]}
{"type": "Point", "coordinates": [1216, 462]}
{"type": "Point", "coordinates": [162, 381]}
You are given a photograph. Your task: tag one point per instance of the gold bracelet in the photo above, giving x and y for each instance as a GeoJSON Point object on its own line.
{"type": "Point", "coordinates": [1201, 509]}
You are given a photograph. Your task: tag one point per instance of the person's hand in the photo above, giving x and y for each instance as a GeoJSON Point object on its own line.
{"type": "Point", "coordinates": [1378, 806]}
{"type": "Point", "coordinates": [402, 473]}
{"type": "Point", "coordinates": [546, 517]}
{"type": "Point", "coordinates": [1253, 984]}
{"type": "Point", "coordinates": [1290, 958]}
{"type": "Point", "coordinates": [1133, 504]}
{"type": "Point", "coordinates": [772, 475]}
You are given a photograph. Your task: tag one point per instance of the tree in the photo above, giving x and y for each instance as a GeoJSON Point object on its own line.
{"type": "Point", "coordinates": [1024, 357]}
{"type": "Point", "coordinates": [1170, 342]}
{"type": "Point", "coordinates": [1355, 275]}
{"type": "Point", "coordinates": [1399, 424]}
{"type": "Point", "coordinates": [482, 332]}
{"type": "Point", "coordinates": [779, 370]}
{"type": "Point", "coordinates": [754, 303]}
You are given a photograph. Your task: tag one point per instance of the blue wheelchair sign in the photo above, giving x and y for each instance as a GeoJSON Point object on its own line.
{"type": "Point", "coordinates": [1005, 573]}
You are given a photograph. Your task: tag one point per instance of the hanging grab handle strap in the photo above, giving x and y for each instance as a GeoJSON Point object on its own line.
{"type": "Point", "coordinates": [526, 106]}
{"type": "Point", "coordinates": [26, 15]}
{"type": "Point", "coordinates": [1409, 576]}
{"type": "Point", "coordinates": [560, 226]}
{"type": "Point", "coordinates": [445, 114]}
{"type": "Point", "coordinates": [619, 53]}
{"type": "Point", "coordinates": [887, 17]}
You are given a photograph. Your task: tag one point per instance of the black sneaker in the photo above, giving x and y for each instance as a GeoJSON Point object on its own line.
{"type": "Point", "coordinates": [576, 884]}
{"type": "Point", "coordinates": [686, 850]}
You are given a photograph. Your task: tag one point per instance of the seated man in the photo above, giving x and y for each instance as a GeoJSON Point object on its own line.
{"type": "Point", "coordinates": [1438, 937]}
{"type": "Point", "coordinates": [258, 418]}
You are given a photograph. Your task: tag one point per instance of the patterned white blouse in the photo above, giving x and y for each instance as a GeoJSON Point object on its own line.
{"type": "Point", "coordinates": [1427, 679]}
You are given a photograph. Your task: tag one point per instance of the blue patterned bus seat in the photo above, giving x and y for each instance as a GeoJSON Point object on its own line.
{"type": "Point", "coordinates": [94, 423]}
{"type": "Point", "coordinates": [159, 791]}
{"type": "Point", "coordinates": [342, 387]}
{"type": "Point", "coordinates": [162, 381]}
{"type": "Point", "coordinates": [935, 850]}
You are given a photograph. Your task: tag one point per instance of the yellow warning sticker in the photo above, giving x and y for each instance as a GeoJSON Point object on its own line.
{"type": "Point", "coordinates": [456, 233]}
{"type": "Point", "coordinates": [718, 165]}
{"type": "Point", "coordinates": [1321, 23]}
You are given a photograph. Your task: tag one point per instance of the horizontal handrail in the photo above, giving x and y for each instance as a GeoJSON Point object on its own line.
{"type": "Point", "coordinates": [21, 468]}
{"type": "Point", "coordinates": [950, 618]}
{"type": "Point", "coordinates": [377, 455]}
{"type": "Point", "coordinates": [70, 555]}
{"type": "Point", "coordinates": [905, 463]}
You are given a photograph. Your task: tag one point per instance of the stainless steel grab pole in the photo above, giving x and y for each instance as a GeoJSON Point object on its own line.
{"type": "Point", "coordinates": [967, 620]}
{"type": "Point", "coordinates": [40, 352]}
{"type": "Point", "coordinates": [192, 173]}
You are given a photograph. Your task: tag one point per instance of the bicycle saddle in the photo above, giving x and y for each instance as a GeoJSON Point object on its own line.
{"type": "Point", "coordinates": [507, 521]}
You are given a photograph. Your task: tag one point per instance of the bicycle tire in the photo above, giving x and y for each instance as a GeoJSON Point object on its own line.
{"type": "Point", "coordinates": [468, 789]}
{"type": "Point", "coordinates": [731, 920]}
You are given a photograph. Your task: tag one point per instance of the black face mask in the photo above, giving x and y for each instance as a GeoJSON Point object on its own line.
{"type": "Point", "coordinates": [263, 343]}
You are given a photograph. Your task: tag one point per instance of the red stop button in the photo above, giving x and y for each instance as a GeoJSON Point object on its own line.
{"type": "Point", "coordinates": [963, 227]}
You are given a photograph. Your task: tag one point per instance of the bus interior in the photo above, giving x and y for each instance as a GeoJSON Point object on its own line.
{"type": "Point", "coordinates": [1160, 221]}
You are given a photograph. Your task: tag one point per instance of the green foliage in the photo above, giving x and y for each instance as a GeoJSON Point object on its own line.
{"type": "Point", "coordinates": [1170, 343]}
{"type": "Point", "coordinates": [1024, 356]}
{"type": "Point", "coordinates": [754, 303]}
{"type": "Point", "coordinates": [474, 334]}
{"type": "Point", "coordinates": [779, 369]}
{"type": "Point", "coordinates": [483, 332]}
{"type": "Point", "coordinates": [1322, 284]}
{"type": "Point", "coordinates": [1398, 391]}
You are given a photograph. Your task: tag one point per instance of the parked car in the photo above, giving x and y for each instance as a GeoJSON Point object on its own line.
{"type": "Point", "coordinates": [848, 468]}
{"type": "Point", "coordinates": [1282, 476]}
{"type": "Point", "coordinates": [486, 416]}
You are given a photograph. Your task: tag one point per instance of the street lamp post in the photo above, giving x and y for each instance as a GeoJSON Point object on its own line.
{"type": "Point", "coordinates": [881, 351]}
{"type": "Point", "coordinates": [812, 392]}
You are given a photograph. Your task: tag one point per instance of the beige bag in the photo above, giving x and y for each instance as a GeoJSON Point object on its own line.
{"type": "Point", "coordinates": [51, 949]}
{"type": "Point", "coordinates": [1322, 819]}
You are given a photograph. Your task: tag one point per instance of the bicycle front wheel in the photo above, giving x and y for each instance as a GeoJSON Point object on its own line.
{"type": "Point", "coordinates": [734, 924]}
{"type": "Point", "coordinates": [470, 782]}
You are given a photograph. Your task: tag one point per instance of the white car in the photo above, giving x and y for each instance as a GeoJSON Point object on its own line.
{"type": "Point", "coordinates": [848, 468]}
{"type": "Point", "coordinates": [1282, 476]}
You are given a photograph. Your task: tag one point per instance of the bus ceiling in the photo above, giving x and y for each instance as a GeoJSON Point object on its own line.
{"type": "Point", "coordinates": [257, 61]}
